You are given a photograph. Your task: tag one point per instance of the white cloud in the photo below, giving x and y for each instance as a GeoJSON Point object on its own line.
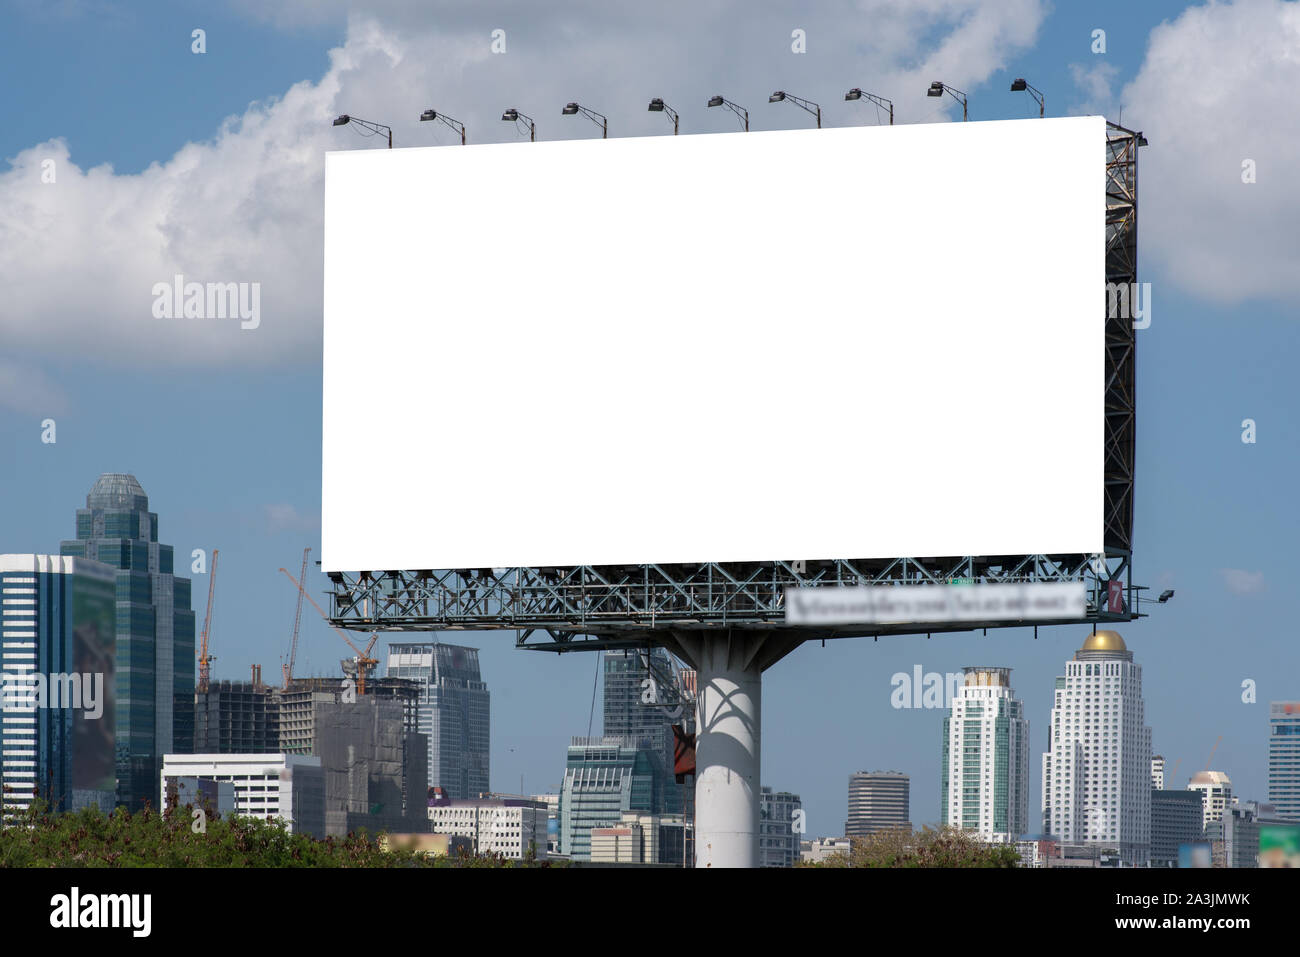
{"type": "Point", "coordinates": [1241, 582]}
{"type": "Point", "coordinates": [1218, 87]}
{"type": "Point", "coordinates": [84, 253]}
{"type": "Point", "coordinates": [1095, 81]}
{"type": "Point", "coordinates": [287, 518]}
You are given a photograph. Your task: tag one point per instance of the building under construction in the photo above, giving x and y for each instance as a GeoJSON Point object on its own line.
{"type": "Point", "coordinates": [374, 760]}
{"type": "Point", "coordinates": [297, 707]}
{"type": "Point", "coordinates": [375, 770]}
{"type": "Point", "coordinates": [237, 717]}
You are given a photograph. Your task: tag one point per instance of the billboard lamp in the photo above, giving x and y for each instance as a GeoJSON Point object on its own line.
{"type": "Point", "coordinates": [456, 125]}
{"type": "Point", "coordinates": [344, 119]}
{"type": "Point", "coordinates": [740, 111]}
{"type": "Point", "coordinates": [781, 96]}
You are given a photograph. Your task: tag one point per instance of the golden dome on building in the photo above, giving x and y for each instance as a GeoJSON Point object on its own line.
{"type": "Point", "coordinates": [1104, 641]}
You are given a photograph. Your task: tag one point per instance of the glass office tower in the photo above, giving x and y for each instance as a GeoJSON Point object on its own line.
{"type": "Point", "coordinates": [1284, 758]}
{"type": "Point", "coordinates": [641, 704]}
{"type": "Point", "coordinates": [57, 713]}
{"type": "Point", "coordinates": [603, 778]}
{"type": "Point", "coordinates": [155, 632]}
{"type": "Point", "coordinates": [454, 712]}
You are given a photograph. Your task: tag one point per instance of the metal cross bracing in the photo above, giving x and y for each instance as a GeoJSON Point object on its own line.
{"type": "Point", "coordinates": [592, 607]}
{"type": "Point", "coordinates": [1121, 371]}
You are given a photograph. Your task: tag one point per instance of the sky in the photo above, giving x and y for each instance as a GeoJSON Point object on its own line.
{"type": "Point", "coordinates": [165, 161]}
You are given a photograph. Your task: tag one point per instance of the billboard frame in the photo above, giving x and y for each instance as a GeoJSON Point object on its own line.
{"type": "Point", "coordinates": [588, 607]}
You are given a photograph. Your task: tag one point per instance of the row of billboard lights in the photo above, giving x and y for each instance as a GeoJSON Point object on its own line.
{"type": "Point", "coordinates": [657, 105]}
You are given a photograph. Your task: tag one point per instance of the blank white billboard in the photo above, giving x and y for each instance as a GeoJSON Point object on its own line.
{"type": "Point", "coordinates": [812, 344]}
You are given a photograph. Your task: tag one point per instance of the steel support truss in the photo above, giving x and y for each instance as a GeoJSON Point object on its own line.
{"type": "Point", "coordinates": [1121, 363]}
{"type": "Point", "coordinates": [590, 607]}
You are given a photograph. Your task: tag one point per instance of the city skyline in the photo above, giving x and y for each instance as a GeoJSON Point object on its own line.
{"type": "Point", "coordinates": [115, 495]}
{"type": "Point", "coordinates": [1183, 781]}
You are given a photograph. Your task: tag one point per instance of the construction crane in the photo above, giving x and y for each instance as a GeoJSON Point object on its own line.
{"type": "Point", "coordinates": [1212, 750]}
{"type": "Point", "coordinates": [206, 659]}
{"type": "Point", "coordinates": [297, 620]}
{"type": "Point", "coordinates": [363, 662]}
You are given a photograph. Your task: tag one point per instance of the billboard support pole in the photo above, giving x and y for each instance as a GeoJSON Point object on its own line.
{"type": "Point", "coordinates": [728, 745]}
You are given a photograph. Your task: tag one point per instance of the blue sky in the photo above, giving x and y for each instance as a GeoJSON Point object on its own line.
{"type": "Point", "coordinates": [224, 430]}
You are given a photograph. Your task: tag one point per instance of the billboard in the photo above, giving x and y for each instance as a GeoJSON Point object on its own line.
{"type": "Point", "coordinates": [1279, 845]}
{"type": "Point", "coordinates": [843, 343]}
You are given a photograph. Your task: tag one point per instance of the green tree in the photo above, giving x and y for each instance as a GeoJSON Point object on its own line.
{"type": "Point", "coordinates": [928, 847]}
{"type": "Point", "coordinates": [89, 838]}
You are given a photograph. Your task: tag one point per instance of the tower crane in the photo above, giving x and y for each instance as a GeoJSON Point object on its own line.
{"type": "Point", "coordinates": [205, 659]}
{"type": "Point", "coordinates": [1212, 750]}
{"type": "Point", "coordinates": [364, 663]}
{"type": "Point", "coordinates": [297, 620]}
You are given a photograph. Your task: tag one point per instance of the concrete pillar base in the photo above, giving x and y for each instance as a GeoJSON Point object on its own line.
{"type": "Point", "coordinates": [728, 745]}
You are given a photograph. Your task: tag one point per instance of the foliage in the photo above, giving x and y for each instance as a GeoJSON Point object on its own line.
{"type": "Point", "coordinates": [929, 847]}
{"type": "Point", "coordinates": [89, 838]}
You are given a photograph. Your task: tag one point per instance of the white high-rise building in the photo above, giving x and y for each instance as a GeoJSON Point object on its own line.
{"type": "Point", "coordinates": [985, 776]}
{"type": "Point", "coordinates": [513, 827]}
{"type": "Point", "coordinates": [290, 787]}
{"type": "Point", "coordinates": [1158, 773]}
{"type": "Point", "coordinates": [1216, 794]}
{"type": "Point", "coordinates": [1097, 769]}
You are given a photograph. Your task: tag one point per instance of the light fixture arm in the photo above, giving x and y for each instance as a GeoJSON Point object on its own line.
{"type": "Point", "coordinates": [372, 127]}
{"type": "Point", "coordinates": [741, 113]}
{"type": "Point", "coordinates": [532, 127]}
{"type": "Point", "coordinates": [456, 125]}
{"type": "Point", "coordinates": [808, 105]}
{"type": "Point", "coordinates": [1038, 98]}
{"type": "Point", "coordinates": [595, 118]}
{"type": "Point", "coordinates": [879, 101]}
{"type": "Point", "coordinates": [959, 96]}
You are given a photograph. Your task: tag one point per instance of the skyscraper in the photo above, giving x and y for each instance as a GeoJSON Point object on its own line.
{"type": "Point", "coordinates": [57, 691]}
{"type": "Point", "coordinates": [642, 695]}
{"type": "Point", "coordinates": [1215, 789]}
{"type": "Point", "coordinates": [454, 712]}
{"type": "Point", "coordinates": [1176, 819]}
{"type": "Point", "coordinates": [237, 717]}
{"type": "Point", "coordinates": [603, 777]}
{"type": "Point", "coordinates": [878, 800]}
{"type": "Point", "coordinates": [985, 769]}
{"type": "Point", "coordinates": [778, 818]}
{"type": "Point", "coordinates": [1097, 769]}
{"type": "Point", "coordinates": [1234, 837]}
{"type": "Point", "coordinates": [1284, 759]}
{"type": "Point", "coordinates": [155, 632]}
{"type": "Point", "coordinates": [1157, 773]}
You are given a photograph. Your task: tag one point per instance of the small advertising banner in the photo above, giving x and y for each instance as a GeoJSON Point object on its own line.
{"type": "Point", "coordinates": [932, 604]}
{"type": "Point", "coordinates": [1115, 596]}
